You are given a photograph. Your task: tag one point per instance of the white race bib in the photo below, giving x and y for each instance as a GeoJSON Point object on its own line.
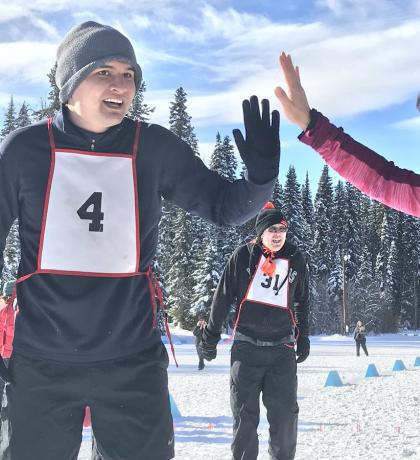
{"type": "Point", "coordinates": [265, 289]}
{"type": "Point", "coordinates": [91, 218]}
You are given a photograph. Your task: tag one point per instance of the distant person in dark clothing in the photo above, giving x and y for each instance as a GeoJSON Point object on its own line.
{"type": "Point", "coordinates": [198, 332]}
{"type": "Point", "coordinates": [360, 338]}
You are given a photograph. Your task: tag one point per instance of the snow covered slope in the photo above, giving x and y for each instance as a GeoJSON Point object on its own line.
{"type": "Point", "coordinates": [366, 418]}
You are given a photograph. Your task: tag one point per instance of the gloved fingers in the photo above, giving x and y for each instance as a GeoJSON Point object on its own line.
{"type": "Point", "coordinates": [255, 107]}
{"type": "Point", "coordinates": [265, 117]}
{"type": "Point", "coordinates": [240, 141]}
{"type": "Point", "coordinates": [248, 123]}
{"type": "Point", "coordinates": [275, 123]}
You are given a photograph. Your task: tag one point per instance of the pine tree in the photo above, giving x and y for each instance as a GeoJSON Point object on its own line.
{"type": "Point", "coordinates": [307, 243]}
{"type": "Point", "coordinates": [409, 261]}
{"type": "Point", "coordinates": [332, 314]}
{"type": "Point", "coordinates": [53, 99]}
{"type": "Point", "coordinates": [322, 254]}
{"type": "Point", "coordinates": [139, 110]}
{"type": "Point", "coordinates": [9, 122]}
{"type": "Point", "coordinates": [307, 204]}
{"type": "Point", "coordinates": [12, 247]}
{"type": "Point", "coordinates": [352, 229]}
{"type": "Point", "coordinates": [52, 104]}
{"type": "Point", "coordinates": [392, 286]}
{"type": "Point", "coordinates": [220, 241]}
{"type": "Point", "coordinates": [339, 218]}
{"type": "Point", "coordinates": [180, 121]}
{"type": "Point", "coordinates": [292, 208]}
{"type": "Point", "coordinates": [278, 196]}
{"type": "Point", "coordinates": [24, 117]}
{"type": "Point", "coordinates": [11, 254]}
{"type": "Point", "coordinates": [383, 253]}
{"type": "Point", "coordinates": [364, 294]}
{"type": "Point", "coordinates": [181, 235]}
{"type": "Point", "coordinates": [207, 275]}
{"type": "Point", "coordinates": [180, 281]}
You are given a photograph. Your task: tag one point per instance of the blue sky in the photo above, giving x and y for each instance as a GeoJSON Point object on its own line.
{"type": "Point", "coordinates": [359, 62]}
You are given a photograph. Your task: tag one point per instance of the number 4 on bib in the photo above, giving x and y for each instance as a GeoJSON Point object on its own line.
{"type": "Point", "coordinates": [95, 215]}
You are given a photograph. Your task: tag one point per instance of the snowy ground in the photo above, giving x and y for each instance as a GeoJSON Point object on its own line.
{"type": "Point", "coordinates": [367, 418]}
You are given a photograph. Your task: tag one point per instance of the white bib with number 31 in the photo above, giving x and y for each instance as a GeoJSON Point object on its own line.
{"type": "Point", "coordinates": [270, 290]}
{"type": "Point", "coordinates": [90, 224]}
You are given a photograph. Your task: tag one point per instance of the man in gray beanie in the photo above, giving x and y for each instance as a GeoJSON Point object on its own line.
{"type": "Point", "coordinates": [85, 48]}
{"type": "Point", "coordinates": [267, 282]}
{"type": "Point", "coordinates": [88, 187]}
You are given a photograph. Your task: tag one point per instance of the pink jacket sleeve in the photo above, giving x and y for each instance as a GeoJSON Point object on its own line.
{"type": "Point", "coordinates": [369, 172]}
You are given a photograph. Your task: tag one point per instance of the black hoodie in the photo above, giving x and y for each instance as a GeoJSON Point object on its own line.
{"type": "Point", "coordinates": [87, 318]}
{"type": "Point", "coordinates": [260, 321]}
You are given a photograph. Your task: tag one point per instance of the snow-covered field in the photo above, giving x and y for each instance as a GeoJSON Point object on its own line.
{"type": "Point", "coordinates": [366, 418]}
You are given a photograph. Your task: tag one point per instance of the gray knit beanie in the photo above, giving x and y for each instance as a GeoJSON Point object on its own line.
{"type": "Point", "coordinates": [85, 48]}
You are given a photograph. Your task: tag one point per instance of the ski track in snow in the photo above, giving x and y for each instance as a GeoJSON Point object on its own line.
{"type": "Point", "coordinates": [367, 418]}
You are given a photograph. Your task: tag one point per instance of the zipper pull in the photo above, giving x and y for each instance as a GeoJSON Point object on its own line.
{"type": "Point", "coordinates": [92, 145]}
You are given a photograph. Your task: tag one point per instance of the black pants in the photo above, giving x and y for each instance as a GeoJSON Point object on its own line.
{"type": "Point", "coordinates": [129, 404]}
{"type": "Point", "coordinates": [272, 372]}
{"type": "Point", "coordinates": [362, 343]}
{"type": "Point", "coordinates": [200, 356]}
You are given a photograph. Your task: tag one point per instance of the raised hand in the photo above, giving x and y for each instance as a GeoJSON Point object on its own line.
{"type": "Point", "coordinates": [293, 98]}
{"type": "Point", "coordinates": [260, 150]}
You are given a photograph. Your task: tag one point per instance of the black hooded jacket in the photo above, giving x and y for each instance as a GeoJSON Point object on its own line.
{"type": "Point", "coordinates": [256, 320]}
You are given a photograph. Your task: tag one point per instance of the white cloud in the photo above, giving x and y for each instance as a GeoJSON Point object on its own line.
{"type": "Point", "coordinates": [142, 21]}
{"type": "Point", "coordinates": [224, 24]}
{"type": "Point", "coordinates": [49, 30]}
{"type": "Point", "coordinates": [25, 62]}
{"type": "Point", "coordinates": [408, 124]}
{"type": "Point", "coordinates": [12, 11]}
{"type": "Point", "coordinates": [362, 9]}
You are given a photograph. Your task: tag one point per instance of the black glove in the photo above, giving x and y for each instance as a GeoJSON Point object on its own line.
{"type": "Point", "coordinates": [208, 344]}
{"type": "Point", "coordinates": [260, 151]}
{"type": "Point", "coordinates": [303, 348]}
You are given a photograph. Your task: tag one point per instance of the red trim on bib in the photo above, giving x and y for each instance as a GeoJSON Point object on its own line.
{"type": "Point", "coordinates": [94, 154]}
{"type": "Point", "coordinates": [136, 193]}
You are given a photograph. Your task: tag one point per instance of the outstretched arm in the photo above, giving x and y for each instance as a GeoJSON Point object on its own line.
{"type": "Point", "coordinates": [362, 167]}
